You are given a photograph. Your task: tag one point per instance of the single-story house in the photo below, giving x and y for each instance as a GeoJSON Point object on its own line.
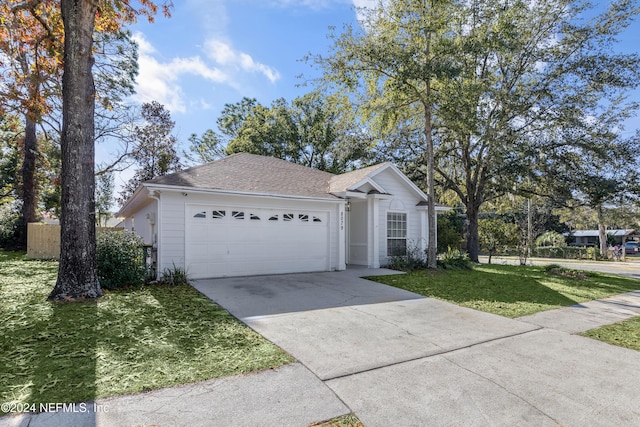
{"type": "Point", "coordinates": [591, 237]}
{"type": "Point", "coordinates": [247, 215]}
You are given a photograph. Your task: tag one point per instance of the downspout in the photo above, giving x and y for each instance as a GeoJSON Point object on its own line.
{"type": "Point", "coordinates": [155, 194]}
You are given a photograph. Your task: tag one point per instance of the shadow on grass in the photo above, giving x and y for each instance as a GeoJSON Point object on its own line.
{"type": "Point", "coordinates": [64, 368]}
{"type": "Point", "coordinates": [217, 342]}
{"type": "Point", "coordinates": [47, 349]}
{"type": "Point", "coordinates": [50, 357]}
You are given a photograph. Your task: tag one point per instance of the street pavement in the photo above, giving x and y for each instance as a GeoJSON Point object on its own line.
{"type": "Point", "coordinates": [630, 267]}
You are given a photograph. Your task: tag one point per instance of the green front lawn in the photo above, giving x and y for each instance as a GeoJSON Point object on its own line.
{"type": "Point", "coordinates": [128, 341]}
{"type": "Point", "coordinates": [349, 420]}
{"type": "Point", "coordinates": [510, 291]}
{"type": "Point", "coordinates": [623, 334]}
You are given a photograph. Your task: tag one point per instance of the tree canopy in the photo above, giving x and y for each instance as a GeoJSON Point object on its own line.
{"type": "Point", "coordinates": [312, 130]}
{"type": "Point", "coordinates": [508, 84]}
{"type": "Point", "coordinates": [155, 147]}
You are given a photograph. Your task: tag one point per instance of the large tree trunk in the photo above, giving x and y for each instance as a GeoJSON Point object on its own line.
{"type": "Point", "coordinates": [473, 241]}
{"type": "Point", "coordinates": [432, 244]}
{"type": "Point", "coordinates": [29, 188]}
{"type": "Point", "coordinates": [77, 274]}
{"type": "Point", "coordinates": [602, 233]}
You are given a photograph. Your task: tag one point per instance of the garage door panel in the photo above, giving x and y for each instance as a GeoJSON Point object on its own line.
{"type": "Point", "coordinates": [231, 241]}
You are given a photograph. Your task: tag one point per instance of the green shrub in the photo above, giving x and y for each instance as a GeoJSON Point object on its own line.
{"type": "Point", "coordinates": [557, 270]}
{"type": "Point", "coordinates": [593, 253]}
{"type": "Point", "coordinates": [9, 227]}
{"type": "Point", "coordinates": [450, 230]}
{"type": "Point", "coordinates": [551, 267]}
{"type": "Point", "coordinates": [415, 259]}
{"type": "Point", "coordinates": [120, 259]}
{"type": "Point", "coordinates": [175, 276]}
{"type": "Point", "coordinates": [569, 252]}
{"type": "Point", "coordinates": [454, 259]}
{"type": "Point", "coordinates": [551, 238]}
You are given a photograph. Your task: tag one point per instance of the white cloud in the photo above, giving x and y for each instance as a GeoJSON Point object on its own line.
{"type": "Point", "coordinates": [224, 55]}
{"type": "Point", "coordinates": [311, 4]}
{"type": "Point", "coordinates": [369, 4]}
{"type": "Point", "coordinates": [361, 6]}
{"type": "Point", "coordinates": [160, 81]}
{"type": "Point", "coordinates": [212, 15]}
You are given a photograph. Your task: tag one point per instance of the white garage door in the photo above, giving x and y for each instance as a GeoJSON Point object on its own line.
{"type": "Point", "coordinates": [236, 241]}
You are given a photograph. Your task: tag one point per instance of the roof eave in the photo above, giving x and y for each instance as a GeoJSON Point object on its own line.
{"type": "Point", "coordinates": [186, 189]}
{"type": "Point", "coordinates": [130, 202]}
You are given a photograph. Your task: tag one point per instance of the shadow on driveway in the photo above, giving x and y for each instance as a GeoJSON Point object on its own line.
{"type": "Point", "coordinates": [254, 296]}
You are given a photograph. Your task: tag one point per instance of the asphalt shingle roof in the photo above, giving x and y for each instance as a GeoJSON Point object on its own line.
{"type": "Point", "coordinates": [255, 174]}
{"type": "Point", "coordinates": [343, 182]}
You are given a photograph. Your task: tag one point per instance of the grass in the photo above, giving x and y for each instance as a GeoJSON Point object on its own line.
{"type": "Point", "coordinates": [510, 291]}
{"type": "Point", "coordinates": [128, 341]}
{"type": "Point", "coordinates": [349, 420]}
{"type": "Point", "coordinates": [623, 334]}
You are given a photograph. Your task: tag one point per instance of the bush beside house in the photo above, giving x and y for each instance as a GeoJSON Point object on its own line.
{"type": "Point", "coordinates": [120, 258]}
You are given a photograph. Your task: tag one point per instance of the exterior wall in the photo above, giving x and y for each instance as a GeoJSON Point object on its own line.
{"type": "Point", "coordinates": [173, 219]}
{"type": "Point", "coordinates": [404, 200]}
{"type": "Point", "coordinates": [144, 223]}
{"type": "Point", "coordinates": [357, 238]}
{"type": "Point", "coordinates": [171, 230]}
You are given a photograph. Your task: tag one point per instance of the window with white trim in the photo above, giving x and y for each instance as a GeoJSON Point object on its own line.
{"type": "Point", "coordinates": [396, 233]}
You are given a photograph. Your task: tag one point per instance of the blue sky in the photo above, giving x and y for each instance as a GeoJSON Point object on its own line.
{"type": "Point", "coordinates": [213, 52]}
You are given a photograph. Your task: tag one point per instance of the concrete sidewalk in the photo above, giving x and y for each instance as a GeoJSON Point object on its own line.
{"type": "Point", "coordinates": [286, 396]}
{"type": "Point", "coordinates": [589, 315]}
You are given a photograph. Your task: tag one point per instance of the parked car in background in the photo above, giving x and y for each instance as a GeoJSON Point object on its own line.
{"type": "Point", "coordinates": [631, 248]}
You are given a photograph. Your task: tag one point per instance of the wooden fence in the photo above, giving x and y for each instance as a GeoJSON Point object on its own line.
{"type": "Point", "coordinates": [43, 240]}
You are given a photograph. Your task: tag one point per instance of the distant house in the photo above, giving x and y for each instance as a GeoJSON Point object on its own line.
{"type": "Point", "coordinates": [250, 215]}
{"type": "Point", "coordinates": [590, 237]}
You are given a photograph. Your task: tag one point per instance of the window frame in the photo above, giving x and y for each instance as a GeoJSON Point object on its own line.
{"type": "Point", "coordinates": [394, 218]}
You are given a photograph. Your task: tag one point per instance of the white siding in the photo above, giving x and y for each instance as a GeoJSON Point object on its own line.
{"type": "Point", "coordinates": [174, 206]}
{"type": "Point", "coordinates": [404, 199]}
{"type": "Point", "coordinates": [358, 232]}
{"type": "Point", "coordinates": [172, 231]}
{"type": "Point", "coordinates": [142, 222]}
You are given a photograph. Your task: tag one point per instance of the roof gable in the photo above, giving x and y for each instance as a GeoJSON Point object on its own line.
{"type": "Point", "coordinates": [353, 180]}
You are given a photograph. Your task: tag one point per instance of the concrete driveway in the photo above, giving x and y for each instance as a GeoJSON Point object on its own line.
{"type": "Point", "coordinates": [396, 358]}
{"type": "Point", "coordinates": [339, 324]}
